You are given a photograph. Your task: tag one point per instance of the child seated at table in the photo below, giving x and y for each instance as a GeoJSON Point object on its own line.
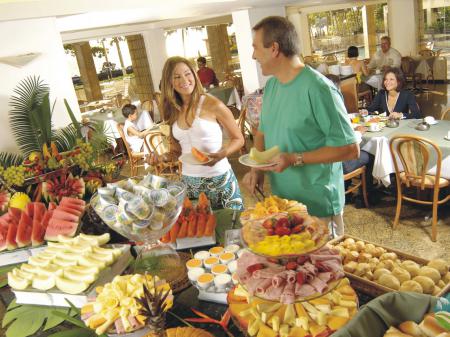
{"type": "Point", "coordinates": [135, 127]}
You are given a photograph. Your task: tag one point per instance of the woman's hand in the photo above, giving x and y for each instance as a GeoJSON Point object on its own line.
{"type": "Point", "coordinates": [396, 115]}
{"type": "Point", "coordinates": [215, 157]}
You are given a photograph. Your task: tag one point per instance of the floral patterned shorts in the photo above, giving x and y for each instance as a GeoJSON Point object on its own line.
{"type": "Point", "coordinates": [223, 191]}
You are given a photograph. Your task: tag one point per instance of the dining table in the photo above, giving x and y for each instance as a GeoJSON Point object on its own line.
{"type": "Point", "coordinates": [228, 95]}
{"type": "Point", "coordinates": [377, 144]}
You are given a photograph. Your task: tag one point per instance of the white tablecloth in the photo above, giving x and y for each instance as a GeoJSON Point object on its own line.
{"type": "Point", "coordinates": [378, 145]}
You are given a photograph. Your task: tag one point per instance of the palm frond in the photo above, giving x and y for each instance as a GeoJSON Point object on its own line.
{"type": "Point", "coordinates": [99, 140]}
{"type": "Point", "coordinates": [26, 103]}
{"type": "Point", "coordinates": [73, 119]}
{"type": "Point", "coordinates": [65, 138]}
{"type": "Point", "coordinates": [10, 159]}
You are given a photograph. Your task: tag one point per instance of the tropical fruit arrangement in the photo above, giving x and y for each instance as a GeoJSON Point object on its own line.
{"type": "Point", "coordinates": [34, 223]}
{"type": "Point", "coordinates": [70, 265]}
{"type": "Point", "coordinates": [318, 317]}
{"type": "Point", "coordinates": [198, 221]}
{"type": "Point", "coordinates": [288, 281]}
{"type": "Point", "coordinates": [386, 268]}
{"type": "Point", "coordinates": [120, 306]}
{"type": "Point", "coordinates": [281, 227]}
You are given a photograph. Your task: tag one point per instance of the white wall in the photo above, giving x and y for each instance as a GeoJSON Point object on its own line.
{"type": "Point", "coordinates": [403, 26]}
{"type": "Point", "coordinates": [243, 22]}
{"type": "Point", "coordinates": [38, 36]}
{"type": "Point", "coordinates": [155, 45]}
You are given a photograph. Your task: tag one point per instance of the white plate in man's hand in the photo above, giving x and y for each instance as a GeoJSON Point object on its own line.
{"type": "Point", "coordinates": [188, 158]}
{"type": "Point", "coordinates": [245, 160]}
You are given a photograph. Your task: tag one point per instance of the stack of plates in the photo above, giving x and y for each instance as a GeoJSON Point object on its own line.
{"type": "Point", "coordinates": [346, 70]}
{"type": "Point", "coordinates": [334, 69]}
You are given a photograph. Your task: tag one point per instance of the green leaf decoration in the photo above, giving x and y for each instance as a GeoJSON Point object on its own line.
{"type": "Point", "coordinates": [55, 320]}
{"type": "Point", "coordinates": [10, 159]}
{"type": "Point", "coordinates": [76, 124]}
{"type": "Point", "coordinates": [25, 104]}
{"type": "Point", "coordinates": [12, 305]}
{"type": "Point", "coordinates": [70, 319]}
{"type": "Point", "coordinates": [65, 138]}
{"type": "Point", "coordinates": [78, 332]}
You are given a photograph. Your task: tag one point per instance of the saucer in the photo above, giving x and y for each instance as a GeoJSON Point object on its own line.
{"type": "Point", "coordinates": [433, 122]}
{"type": "Point", "coordinates": [446, 138]}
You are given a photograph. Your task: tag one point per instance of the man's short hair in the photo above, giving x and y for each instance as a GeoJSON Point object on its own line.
{"type": "Point", "coordinates": [352, 51]}
{"type": "Point", "coordinates": [398, 75]}
{"type": "Point", "coordinates": [280, 30]}
{"type": "Point", "coordinates": [387, 38]}
{"type": "Point", "coordinates": [202, 60]}
{"type": "Point", "coordinates": [128, 109]}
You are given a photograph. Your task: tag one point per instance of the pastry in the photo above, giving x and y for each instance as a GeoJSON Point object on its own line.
{"type": "Point", "coordinates": [440, 265]}
{"type": "Point", "coordinates": [431, 273]}
{"type": "Point", "coordinates": [394, 332]}
{"type": "Point", "coordinates": [377, 273]}
{"type": "Point", "coordinates": [426, 283]}
{"type": "Point", "coordinates": [389, 281]}
{"type": "Point", "coordinates": [401, 274]}
{"type": "Point", "coordinates": [411, 286]}
{"type": "Point", "coordinates": [411, 328]}
{"type": "Point", "coordinates": [388, 256]}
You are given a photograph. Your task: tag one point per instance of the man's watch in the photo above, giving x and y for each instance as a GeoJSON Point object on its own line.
{"type": "Point", "coordinates": [299, 159]}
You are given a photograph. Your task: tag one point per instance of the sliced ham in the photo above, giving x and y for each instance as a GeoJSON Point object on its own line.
{"type": "Point", "coordinates": [119, 326]}
{"type": "Point", "coordinates": [326, 276]}
{"type": "Point", "coordinates": [273, 293]}
{"type": "Point", "coordinates": [263, 285]}
{"type": "Point", "coordinates": [318, 284]}
{"type": "Point", "coordinates": [330, 265]}
{"type": "Point", "coordinates": [288, 294]}
{"type": "Point", "coordinates": [279, 279]}
{"type": "Point", "coordinates": [304, 290]}
{"type": "Point", "coordinates": [291, 276]}
{"type": "Point", "coordinates": [252, 284]}
{"type": "Point", "coordinates": [267, 272]}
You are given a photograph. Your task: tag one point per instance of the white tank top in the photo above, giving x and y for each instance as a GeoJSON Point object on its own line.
{"type": "Point", "coordinates": [134, 142]}
{"type": "Point", "coordinates": [206, 136]}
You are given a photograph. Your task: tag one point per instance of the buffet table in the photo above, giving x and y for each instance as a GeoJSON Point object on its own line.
{"type": "Point", "coordinates": [377, 143]}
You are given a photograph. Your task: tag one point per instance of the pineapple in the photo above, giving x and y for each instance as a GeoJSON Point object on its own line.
{"type": "Point", "coordinates": [154, 307]}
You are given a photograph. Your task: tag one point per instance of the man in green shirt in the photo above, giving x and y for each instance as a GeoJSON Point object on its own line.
{"type": "Point", "coordinates": [304, 114]}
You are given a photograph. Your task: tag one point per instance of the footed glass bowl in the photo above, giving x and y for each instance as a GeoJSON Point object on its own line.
{"type": "Point", "coordinates": [143, 209]}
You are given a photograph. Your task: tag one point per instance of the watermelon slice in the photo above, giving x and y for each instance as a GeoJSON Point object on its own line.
{"type": "Point", "coordinates": [23, 236]}
{"type": "Point", "coordinates": [11, 242]}
{"type": "Point", "coordinates": [15, 213]}
{"type": "Point", "coordinates": [63, 215]}
{"type": "Point", "coordinates": [29, 209]}
{"type": "Point", "coordinates": [39, 211]}
{"type": "Point", "coordinates": [38, 232]}
{"type": "Point", "coordinates": [70, 210]}
{"type": "Point", "coordinates": [3, 233]}
{"type": "Point", "coordinates": [60, 227]}
{"type": "Point", "coordinates": [72, 201]}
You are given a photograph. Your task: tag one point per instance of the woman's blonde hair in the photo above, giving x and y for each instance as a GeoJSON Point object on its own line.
{"type": "Point", "coordinates": [171, 102]}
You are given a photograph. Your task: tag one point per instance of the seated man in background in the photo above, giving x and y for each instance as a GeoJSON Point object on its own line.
{"type": "Point", "coordinates": [207, 75]}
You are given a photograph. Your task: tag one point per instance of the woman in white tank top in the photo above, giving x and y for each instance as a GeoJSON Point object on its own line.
{"type": "Point", "coordinates": [197, 120]}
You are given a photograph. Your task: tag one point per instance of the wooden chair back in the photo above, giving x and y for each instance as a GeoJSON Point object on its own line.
{"type": "Point", "coordinates": [361, 173]}
{"type": "Point", "coordinates": [426, 53]}
{"type": "Point", "coordinates": [444, 113]}
{"type": "Point", "coordinates": [133, 158]}
{"type": "Point", "coordinates": [244, 129]}
{"type": "Point", "coordinates": [159, 145]}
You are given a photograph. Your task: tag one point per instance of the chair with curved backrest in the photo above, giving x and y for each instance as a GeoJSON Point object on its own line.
{"type": "Point", "coordinates": [444, 113]}
{"type": "Point", "coordinates": [408, 69]}
{"type": "Point", "coordinates": [136, 159]}
{"type": "Point", "coordinates": [426, 53]}
{"type": "Point", "coordinates": [414, 155]}
{"type": "Point", "coordinates": [244, 128]}
{"type": "Point", "coordinates": [147, 105]}
{"type": "Point", "coordinates": [361, 173]}
{"type": "Point", "coordinates": [158, 145]}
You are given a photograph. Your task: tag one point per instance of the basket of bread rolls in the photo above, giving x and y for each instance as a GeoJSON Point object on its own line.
{"type": "Point", "coordinates": [375, 270]}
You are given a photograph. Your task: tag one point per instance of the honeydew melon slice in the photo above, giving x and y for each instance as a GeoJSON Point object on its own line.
{"type": "Point", "coordinates": [74, 276]}
{"type": "Point", "coordinates": [46, 255]}
{"type": "Point", "coordinates": [71, 256]}
{"type": "Point", "coordinates": [43, 282]}
{"type": "Point", "coordinates": [80, 248]}
{"type": "Point", "coordinates": [17, 282]}
{"type": "Point", "coordinates": [65, 239]}
{"type": "Point", "coordinates": [22, 274]}
{"type": "Point", "coordinates": [54, 250]}
{"type": "Point", "coordinates": [89, 261]}
{"type": "Point", "coordinates": [100, 239]}
{"type": "Point", "coordinates": [69, 286]}
{"type": "Point", "coordinates": [37, 261]}
{"type": "Point", "coordinates": [59, 245]}
{"type": "Point", "coordinates": [94, 270]}
{"type": "Point", "coordinates": [64, 262]}
{"type": "Point", "coordinates": [50, 270]}
{"type": "Point", "coordinates": [29, 268]}
{"type": "Point", "coordinates": [107, 258]}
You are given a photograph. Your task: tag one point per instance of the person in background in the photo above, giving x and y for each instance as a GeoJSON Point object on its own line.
{"type": "Point", "coordinates": [393, 99]}
{"type": "Point", "coordinates": [386, 56]}
{"type": "Point", "coordinates": [359, 67]}
{"type": "Point", "coordinates": [304, 115]}
{"type": "Point", "coordinates": [197, 120]}
{"type": "Point", "coordinates": [133, 135]}
{"type": "Point", "coordinates": [206, 75]}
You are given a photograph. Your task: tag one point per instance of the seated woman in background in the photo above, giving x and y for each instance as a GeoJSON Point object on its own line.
{"type": "Point", "coordinates": [397, 102]}
{"type": "Point", "coordinates": [196, 120]}
{"type": "Point", "coordinates": [359, 67]}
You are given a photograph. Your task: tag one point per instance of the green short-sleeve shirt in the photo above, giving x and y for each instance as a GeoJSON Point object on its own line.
{"type": "Point", "coordinates": [303, 115]}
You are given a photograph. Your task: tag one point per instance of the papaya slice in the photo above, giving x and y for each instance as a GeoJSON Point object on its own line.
{"type": "Point", "coordinates": [200, 156]}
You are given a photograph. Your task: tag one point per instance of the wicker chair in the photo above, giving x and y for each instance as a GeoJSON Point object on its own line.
{"type": "Point", "coordinates": [136, 159]}
{"type": "Point", "coordinates": [414, 155]}
{"type": "Point", "coordinates": [158, 144]}
{"type": "Point", "coordinates": [361, 173]}
{"type": "Point", "coordinates": [444, 113]}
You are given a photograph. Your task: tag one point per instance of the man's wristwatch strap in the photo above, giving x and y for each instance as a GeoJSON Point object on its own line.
{"type": "Point", "coordinates": [299, 159]}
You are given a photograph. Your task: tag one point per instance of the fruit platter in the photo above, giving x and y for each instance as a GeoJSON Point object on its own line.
{"type": "Point", "coordinates": [70, 268]}
{"type": "Point", "coordinates": [277, 227]}
{"type": "Point", "coordinates": [317, 317]}
{"type": "Point", "coordinates": [118, 306]}
{"type": "Point", "coordinates": [287, 281]}
{"type": "Point", "coordinates": [194, 227]}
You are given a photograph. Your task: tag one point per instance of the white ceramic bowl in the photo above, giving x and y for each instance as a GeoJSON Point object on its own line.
{"type": "Point", "coordinates": [334, 69]}
{"type": "Point", "coordinates": [194, 273]}
{"type": "Point", "coordinates": [201, 255]}
{"type": "Point", "coordinates": [222, 280]}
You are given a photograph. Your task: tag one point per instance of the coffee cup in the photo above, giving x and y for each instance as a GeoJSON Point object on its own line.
{"type": "Point", "coordinates": [374, 127]}
{"type": "Point", "coordinates": [430, 120]}
{"type": "Point", "coordinates": [448, 135]}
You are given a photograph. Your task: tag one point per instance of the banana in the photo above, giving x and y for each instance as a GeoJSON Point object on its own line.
{"type": "Point", "coordinates": [37, 261]}
{"type": "Point", "coordinates": [263, 157]}
{"type": "Point", "coordinates": [90, 261]}
{"type": "Point", "coordinates": [43, 282]}
{"type": "Point", "coordinates": [100, 239]}
{"type": "Point", "coordinates": [22, 274]}
{"type": "Point", "coordinates": [73, 275]}
{"type": "Point", "coordinates": [69, 286]}
{"type": "Point", "coordinates": [16, 282]}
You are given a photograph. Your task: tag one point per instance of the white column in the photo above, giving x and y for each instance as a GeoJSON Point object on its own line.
{"type": "Point", "coordinates": [155, 45]}
{"type": "Point", "coordinates": [300, 22]}
{"type": "Point", "coordinates": [243, 21]}
{"type": "Point", "coordinates": [365, 32]}
{"type": "Point", "coordinates": [403, 26]}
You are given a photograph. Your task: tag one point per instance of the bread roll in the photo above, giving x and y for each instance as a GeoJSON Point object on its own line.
{"type": "Point", "coordinates": [401, 274]}
{"type": "Point", "coordinates": [440, 265]}
{"type": "Point", "coordinates": [378, 272]}
{"type": "Point", "coordinates": [388, 256]}
{"type": "Point", "coordinates": [394, 332]}
{"type": "Point", "coordinates": [352, 247]}
{"type": "Point", "coordinates": [447, 278]}
{"type": "Point", "coordinates": [389, 264]}
{"type": "Point", "coordinates": [389, 281]}
{"type": "Point", "coordinates": [361, 269]}
{"type": "Point", "coordinates": [349, 241]}
{"type": "Point", "coordinates": [430, 327]}
{"type": "Point", "coordinates": [360, 245]}
{"type": "Point", "coordinates": [436, 290]}
{"type": "Point", "coordinates": [411, 286]}
{"type": "Point", "coordinates": [369, 247]}
{"type": "Point", "coordinates": [364, 257]}
{"type": "Point", "coordinates": [368, 275]}
{"type": "Point", "coordinates": [426, 283]}
{"type": "Point", "coordinates": [413, 269]}
{"type": "Point", "coordinates": [411, 328]}
{"type": "Point", "coordinates": [431, 273]}
{"type": "Point", "coordinates": [441, 284]}
{"type": "Point", "coordinates": [351, 256]}
{"type": "Point", "coordinates": [350, 267]}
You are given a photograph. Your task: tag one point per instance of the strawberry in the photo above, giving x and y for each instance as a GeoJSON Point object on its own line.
{"type": "Point", "coordinates": [268, 223]}
{"type": "Point", "coordinates": [296, 219]}
{"type": "Point", "coordinates": [292, 265]}
{"type": "Point", "coordinates": [255, 267]}
{"type": "Point", "coordinates": [298, 229]}
{"type": "Point", "coordinates": [282, 231]}
{"type": "Point", "coordinates": [283, 222]}
{"type": "Point", "coordinates": [270, 231]}
{"type": "Point", "coordinates": [300, 278]}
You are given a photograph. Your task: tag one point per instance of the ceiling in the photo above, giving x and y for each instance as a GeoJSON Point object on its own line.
{"type": "Point", "coordinates": [82, 15]}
